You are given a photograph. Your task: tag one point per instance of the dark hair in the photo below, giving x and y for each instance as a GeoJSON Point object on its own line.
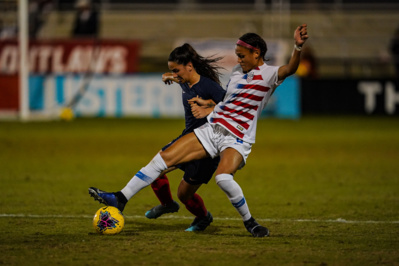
{"type": "Point", "coordinates": [256, 41]}
{"type": "Point", "coordinates": [205, 66]}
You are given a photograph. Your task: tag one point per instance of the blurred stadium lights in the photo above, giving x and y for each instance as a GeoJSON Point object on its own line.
{"type": "Point", "coordinates": [209, 5]}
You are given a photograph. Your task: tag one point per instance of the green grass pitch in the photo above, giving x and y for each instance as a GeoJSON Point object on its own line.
{"type": "Point", "coordinates": [326, 187]}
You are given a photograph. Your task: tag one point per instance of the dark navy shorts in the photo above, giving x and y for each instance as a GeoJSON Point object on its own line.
{"type": "Point", "coordinates": [197, 172]}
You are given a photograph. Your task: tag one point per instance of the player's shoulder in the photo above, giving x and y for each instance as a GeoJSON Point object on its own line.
{"type": "Point", "coordinates": [207, 82]}
{"type": "Point", "coordinates": [267, 70]}
{"type": "Point", "coordinates": [269, 74]}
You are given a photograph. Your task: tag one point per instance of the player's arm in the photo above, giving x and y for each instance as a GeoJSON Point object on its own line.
{"type": "Point", "coordinates": [200, 107]}
{"type": "Point", "coordinates": [168, 78]}
{"type": "Point", "coordinates": [300, 37]}
{"type": "Point", "coordinates": [202, 102]}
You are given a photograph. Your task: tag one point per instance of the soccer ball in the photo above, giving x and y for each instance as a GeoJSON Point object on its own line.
{"type": "Point", "coordinates": [108, 220]}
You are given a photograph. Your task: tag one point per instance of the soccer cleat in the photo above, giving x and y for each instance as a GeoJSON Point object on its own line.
{"type": "Point", "coordinates": [256, 229]}
{"type": "Point", "coordinates": [107, 198]}
{"type": "Point", "coordinates": [200, 224]}
{"type": "Point", "coordinates": [160, 210]}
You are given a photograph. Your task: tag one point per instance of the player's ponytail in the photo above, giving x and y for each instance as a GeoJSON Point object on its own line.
{"type": "Point", "coordinates": [205, 66]}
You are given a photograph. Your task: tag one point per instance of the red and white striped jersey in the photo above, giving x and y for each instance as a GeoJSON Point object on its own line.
{"type": "Point", "coordinates": [246, 96]}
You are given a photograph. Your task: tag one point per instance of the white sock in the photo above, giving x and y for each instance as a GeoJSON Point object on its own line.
{"type": "Point", "coordinates": [144, 177]}
{"type": "Point", "coordinates": [234, 193]}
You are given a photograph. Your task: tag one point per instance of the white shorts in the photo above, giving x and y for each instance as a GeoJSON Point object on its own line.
{"type": "Point", "coordinates": [215, 139]}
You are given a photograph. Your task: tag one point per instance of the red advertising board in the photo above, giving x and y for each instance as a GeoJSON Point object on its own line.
{"type": "Point", "coordinates": [72, 56]}
{"type": "Point", "coordinates": [65, 56]}
{"type": "Point", "coordinates": [9, 94]}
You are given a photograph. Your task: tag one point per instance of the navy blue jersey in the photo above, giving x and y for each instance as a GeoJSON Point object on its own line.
{"type": "Point", "coordinates": [204, 88]}
{"type": "Point", "coordinates": [201, 171]}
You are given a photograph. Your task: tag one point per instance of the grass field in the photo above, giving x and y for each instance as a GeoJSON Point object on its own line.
{"type": "Point", "coordinates": [326, 187]}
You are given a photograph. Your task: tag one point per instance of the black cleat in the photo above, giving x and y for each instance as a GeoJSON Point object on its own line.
{"type": "Point", "coordinates": [256, 229]}
{"type": "Point", "coordinates": [200, 224]}
{"type": "Point", "coordinates": [160, 210]}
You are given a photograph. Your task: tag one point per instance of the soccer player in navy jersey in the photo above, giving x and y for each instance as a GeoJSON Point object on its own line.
{"type": "Point", "coordinates": [231, 127]}
{"type": "Point", "coordinates": [198, 77]}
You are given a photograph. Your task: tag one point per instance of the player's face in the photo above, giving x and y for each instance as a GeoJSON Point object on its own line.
{"type": "Point", "coordinates": [179, 71]}
{"type": "Point", "coordinates": [247, 58]}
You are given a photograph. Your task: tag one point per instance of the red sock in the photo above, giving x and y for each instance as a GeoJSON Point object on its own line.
{"type": "Point", "coordinates": [161, 189]}
{"type": "Point", "coordinates": [196, 206]}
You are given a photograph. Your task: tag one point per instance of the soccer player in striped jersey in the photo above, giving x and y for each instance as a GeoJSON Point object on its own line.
{"type": "Point", "coordinates": [231, 128]}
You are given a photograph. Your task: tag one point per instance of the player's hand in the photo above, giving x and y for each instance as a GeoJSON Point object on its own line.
{"type": "Point", "coordinates": [201, 102]}
{"type": "Point", "coordinates": [168, 78]}
{"type": "Point", "coordinates": [301, 35]}
{"type": "Point", "coordinates": [200, 111]}
{"type": "Point", "coordinates": [200, 108]}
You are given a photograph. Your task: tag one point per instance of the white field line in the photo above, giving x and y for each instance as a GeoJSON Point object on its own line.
{"type": "Point", "coordinates": [339, 220]}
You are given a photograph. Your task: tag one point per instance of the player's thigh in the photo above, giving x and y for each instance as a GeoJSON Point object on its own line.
{"type": "Point", "coordinates": [230, 160]}
{"type": "Point", "coordinates": [185, 149]}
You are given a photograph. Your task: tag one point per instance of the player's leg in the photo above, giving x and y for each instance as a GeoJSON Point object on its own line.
{"type": "Point", "coordinates": [230, 161]}
{"type": "Point", "coordinates": [192, 201]}
{"type": "Point", "coordinates": [140, 180]}
{"type": "Point", "coordinates": [161, 189]}
{"type": "Point", "coordinates": [185, 149]}
{"type": "Point", "coordinates": [197, 173]}
{"type": "Point", "coordinates": [195, 205]}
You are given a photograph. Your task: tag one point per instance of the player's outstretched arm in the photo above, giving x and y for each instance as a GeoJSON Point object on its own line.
{"type": "Point", "coordinates": [300, 37]}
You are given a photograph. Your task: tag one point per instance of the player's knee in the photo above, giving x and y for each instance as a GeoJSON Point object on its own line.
{"type": "Point", "coordinates": [229, 186]}
{"type": "Point", "coordinates": [169, 158]}
{"type": "Point", "coordinates": [158, 163]}
{"type": "Point", "coordinates": [166, 158]}
{"type": "Point", "coordinates": [223, 177]}
{"type": "Point", "coordinates": [184, 196]}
